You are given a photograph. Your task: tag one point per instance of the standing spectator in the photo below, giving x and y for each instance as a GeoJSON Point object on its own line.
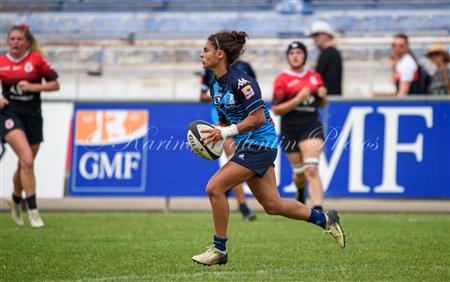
{"type": "Point", "coordinates": [229, 145]}
{"type": "Point", "coordinates": [329, 63]}
{"type": "Point", "coordinates": [440, 84]}
{"type": "Point", "coordinates": [24, 74]}
{"type": "Point", "coordinates": [406, 70]}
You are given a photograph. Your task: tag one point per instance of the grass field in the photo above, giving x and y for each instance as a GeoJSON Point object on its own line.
{"type": "Point", "coordinates": [158, 247]}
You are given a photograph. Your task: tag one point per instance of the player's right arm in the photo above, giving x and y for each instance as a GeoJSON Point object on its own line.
{"type": "Point", "coordinates": [279, 105]}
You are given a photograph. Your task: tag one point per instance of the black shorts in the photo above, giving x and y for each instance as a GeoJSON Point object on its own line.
{"type": "Point", "coordinates": [31, 125]}
{"type": "Point", "coordinates": [255, 158]}
{"type": "Point", "coordinates": [292, 136]}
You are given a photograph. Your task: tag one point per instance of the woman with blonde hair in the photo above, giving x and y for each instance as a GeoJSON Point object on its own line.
{"type": "Point", "coordinates": [24, 74]}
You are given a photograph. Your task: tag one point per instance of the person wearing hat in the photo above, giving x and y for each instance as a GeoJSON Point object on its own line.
{"type": "Point", "coordinates": [297, 94]}
{"type": "Point", "coordinates": [440, 79]}
{"type": "Point", "coordinates": [329, 63]}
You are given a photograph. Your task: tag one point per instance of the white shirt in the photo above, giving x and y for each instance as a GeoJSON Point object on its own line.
{"type": "Point", "coordinates": [405, 68]}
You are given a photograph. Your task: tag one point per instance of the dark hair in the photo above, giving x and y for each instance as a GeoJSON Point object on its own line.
{"type": "Point", "coordinates": [406, 38]}
{"type": "Point", "coordinates": [34, 45]}
{"type": "Point", "coordinates": [298, 45]}
{"type": "Point", "coordinates": [231, 42]}
{"type": "Point", "coordinates": [402, 36]}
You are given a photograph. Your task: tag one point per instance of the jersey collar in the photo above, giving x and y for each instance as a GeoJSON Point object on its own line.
{"type": "Point", "coordinates": [298, 74]}
{"type": "Point", "coordinates": [15, 60]}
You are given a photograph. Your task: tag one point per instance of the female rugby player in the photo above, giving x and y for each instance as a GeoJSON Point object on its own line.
{"type": "Point", "coordinates": [24, 73]}
{"type": "Point", "coordinates": [297, 94]}
{"type": "Point", "coordinates": [244, 116]}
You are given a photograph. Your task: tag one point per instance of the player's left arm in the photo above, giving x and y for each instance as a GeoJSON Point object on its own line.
{"type": "Point", "coordinates": [254, 120]}
{"type": "Point", "coordinates": [249, 96]}
{"type": "Point", "coordinates": [48, 73]}
{"type": "Point", "coordinates": [39, 87]}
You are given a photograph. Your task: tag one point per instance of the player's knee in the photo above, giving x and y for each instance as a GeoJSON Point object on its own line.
{"type": "Point", "coordinates": [311, 172]}
{"type": "Point", "coordinates": [311, 165]}
{"type": "Point", "coordinates": [212, 188]}
{"type": "Point", "coordinates": [26, 162]}
{"type": "Point", "coordinates": [272, 208]}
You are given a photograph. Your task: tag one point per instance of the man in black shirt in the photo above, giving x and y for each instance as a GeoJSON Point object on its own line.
{"type": "Point", "coordinates": [329, 64]}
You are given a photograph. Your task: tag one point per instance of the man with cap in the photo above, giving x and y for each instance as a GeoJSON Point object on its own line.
{"type": "Point", "coordinates": [329, 63]}
{"type": "Point", "coordinates": [440, 84]}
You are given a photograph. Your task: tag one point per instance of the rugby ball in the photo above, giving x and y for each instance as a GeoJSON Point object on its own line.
{"type": "Point", "coordinates": [194, 135]}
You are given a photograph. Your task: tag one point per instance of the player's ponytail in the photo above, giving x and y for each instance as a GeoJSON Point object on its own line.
{"type": "Point", "coordinates": [34, 45]}
{"type": "Point", "coordinates": [231, 42]}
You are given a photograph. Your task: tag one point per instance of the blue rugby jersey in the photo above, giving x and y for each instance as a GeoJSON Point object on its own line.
{"type": "Point", "coordinates": [235, 96]}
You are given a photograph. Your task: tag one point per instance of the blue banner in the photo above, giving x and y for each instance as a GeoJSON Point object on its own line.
{"type": "Point", "coordinates": [373, 150]}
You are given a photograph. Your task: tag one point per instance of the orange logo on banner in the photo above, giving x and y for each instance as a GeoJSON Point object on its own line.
{"type": "Point", "coordinates": [95, 127]}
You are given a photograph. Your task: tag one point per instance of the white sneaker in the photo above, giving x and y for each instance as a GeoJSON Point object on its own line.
{"type": "Point", "coordinates": [35, 219]}
{"type": "Point", "coordinates": [16, 212]}
{"type": "Point", "coordinates": [211, 256]}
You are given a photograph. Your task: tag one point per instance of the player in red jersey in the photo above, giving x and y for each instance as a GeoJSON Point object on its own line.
{"type": "Point", "coordinates": [24, 73]}
{"type": "Point", "coordinates": [298, 92]}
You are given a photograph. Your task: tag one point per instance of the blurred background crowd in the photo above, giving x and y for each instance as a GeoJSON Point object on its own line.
{"type": "Point", "coordinates": [149, 49]}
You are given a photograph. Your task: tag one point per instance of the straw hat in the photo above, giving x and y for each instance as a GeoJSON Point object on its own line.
{"type": "Point", "coordinates": [438, 48]}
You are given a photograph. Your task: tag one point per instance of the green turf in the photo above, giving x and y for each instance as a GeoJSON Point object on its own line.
{"type": "Point", "coordinates": [158, 247]}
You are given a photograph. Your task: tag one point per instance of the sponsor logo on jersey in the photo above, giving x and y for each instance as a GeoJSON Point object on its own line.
{"type": "Point", "coordinates": [9, 123]}
{"type": "Point", "coordinates": [248, 92]}
{"type": "Point", "coordinates": [216, 100]}
{"type": "Point", "coordinates": [242, 82]}
{"type": "Point", "coordinates": [5, 68]}
{"type": "Point", "coordinates": [28, 67]}
{"type": "Point", "coordinates": [293, 82]}
{"type": "Point", "coordinates": [15, 68]}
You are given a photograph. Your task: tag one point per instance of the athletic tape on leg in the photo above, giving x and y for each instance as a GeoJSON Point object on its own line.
{"type": "Point", "coordinates": [311, 161]}
{"type": "Point", "coordinates": [299, 169]}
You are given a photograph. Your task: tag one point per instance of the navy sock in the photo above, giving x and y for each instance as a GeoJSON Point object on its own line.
{"type": "Point", "coordinates": [16, 199]}
{"type": "Point", "coordinates": [244, 209]}
{"type": "Point", "coordinates": [220, 243]}
{"type": "Point", "coordinates": [317, 218]}
{"type": "Point", "coordinates": [32, 202]}
{"type": "Point", "coordinates": [319, 208]}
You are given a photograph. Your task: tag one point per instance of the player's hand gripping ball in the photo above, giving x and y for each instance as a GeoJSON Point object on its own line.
{"type": "Point", "coordinates": [210, 151]}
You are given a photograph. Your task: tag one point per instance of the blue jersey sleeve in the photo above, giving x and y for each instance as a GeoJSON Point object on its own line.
{"type": "Point", "coordinates": [249, 94]}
